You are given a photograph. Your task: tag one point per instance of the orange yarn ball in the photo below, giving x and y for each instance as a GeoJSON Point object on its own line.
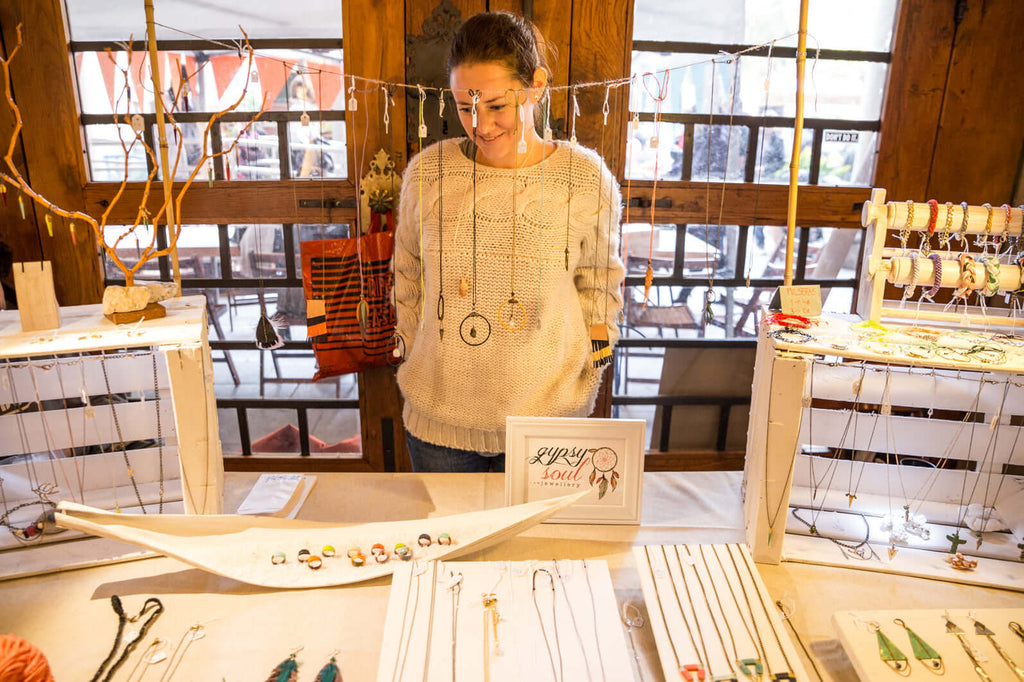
{"type": "Point", "coordinates": [21, 661]}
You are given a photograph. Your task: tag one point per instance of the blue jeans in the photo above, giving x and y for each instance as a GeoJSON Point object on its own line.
{"type": "Point", "coordinates": [430, 457]}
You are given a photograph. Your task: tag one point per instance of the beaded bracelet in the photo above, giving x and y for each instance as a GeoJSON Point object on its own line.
{"type": "Point", "coordinates": [936, 260]}
{"type": "Point", "coordinates": [878, 347]}
{"type": "Point", "coordinates": [962, 237]}
{"type": "Point", "coordinates": [915, 268]}
{"type": "Point", "coordinates": [991, 287]}
{"type": "Point", "coordinates": [982, 240]}
{"type": "Point", "coordinates": [945, 234]}
{"type": "Point", "coordinates": [791, 335]}
{"type": "Point", "coordinates": [967, 277]}
{"type": "Point", "coordinates": [905, 231]}
{"type": "Point", "coordinates": [922, 333]}
{"type": "Point", "coordinates": [990, 355]}
{"type": "Point", "coordinates": [1006, 226]}
{"type": "Point", "coordinates": [920, 350]}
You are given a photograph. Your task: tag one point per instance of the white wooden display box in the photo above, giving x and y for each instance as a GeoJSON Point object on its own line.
{"type": "Point", "coordinates": [193, 465]}
{"type": "Point", "coordinates": [776, 477]}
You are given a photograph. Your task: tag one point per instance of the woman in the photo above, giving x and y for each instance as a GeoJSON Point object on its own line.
{"type": "Point", "coordinates": [505, 260]}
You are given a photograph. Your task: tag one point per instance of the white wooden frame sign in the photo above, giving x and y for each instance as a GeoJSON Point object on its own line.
{"type": "Point", "coordinates": [548, 457]}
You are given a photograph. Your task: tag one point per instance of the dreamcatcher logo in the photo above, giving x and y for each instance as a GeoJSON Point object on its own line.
{"type": "Point", "coordinates": [565, 466]}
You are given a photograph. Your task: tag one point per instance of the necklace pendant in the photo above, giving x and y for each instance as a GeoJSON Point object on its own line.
{"type": "Point", "coordinates": [892, 552]}
{"type": "Point", "coordinates": [692, 672]}
{"type": "Point", "coordinates": [463, 286]}
{"type": "Point", "coordinates": [852, 498]}
{"type": "Point", "coordinates": [814, 529]}
{"type": "Point", "coordinates": [955, 542]}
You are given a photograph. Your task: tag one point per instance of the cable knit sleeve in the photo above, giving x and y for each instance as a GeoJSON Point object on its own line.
{"type": "Point", "coordinates": [407, 257]}
{"type": "Point", "coordinates": [600, 272]}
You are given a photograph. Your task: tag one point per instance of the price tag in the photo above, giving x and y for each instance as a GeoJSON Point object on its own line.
{"type": "Point", "coordinates": [804, 300]}
{"type": "Point", "coordinates": [423, 130]}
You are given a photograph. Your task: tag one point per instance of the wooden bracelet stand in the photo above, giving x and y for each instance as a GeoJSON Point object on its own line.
{"type": "Point", "coordinates": [41, 372]}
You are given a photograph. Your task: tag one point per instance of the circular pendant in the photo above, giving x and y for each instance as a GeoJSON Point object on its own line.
{"type": "Point", "coordinates": [397, 354]}
{"type": "Point", "coordinates": [475, 329]}
{"type": "Point", "coordinates": [512, 315]}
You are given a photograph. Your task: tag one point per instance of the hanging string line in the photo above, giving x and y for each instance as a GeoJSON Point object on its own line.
{"type": "Point", "coordinates": [236, 46]}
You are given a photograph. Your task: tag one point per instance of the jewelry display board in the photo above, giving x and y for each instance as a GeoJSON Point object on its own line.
{"type": "Point", "coordinates": [93, 412]}
{"type": "Point", "coordinates": [507, 620]}
{"type": "Point", "coordinates": [922, 272]}
{"type": "Point", "coordinates": [864, 387]}
{"type": "Point", "coordinates": [711, 614]}
{"type": "Point", "coordinates": [921, 644]}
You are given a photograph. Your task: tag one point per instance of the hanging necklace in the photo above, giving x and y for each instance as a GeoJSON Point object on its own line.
{"type": "Point", "coordinates": [954, 537]}
{"type": "Point", "coordinates": [830, 470]}
{"type": "Point", "coordinates": [986, 511]}
{"type": "Point", "coordinates": [773, 517]}
{"type": "Point", "coordinates": [195, 632]}
{"type": "Point", "coordinates": [718, 600]}
{"type": "Point", "coordinates": [554, 623]}
{"type": "Point", "coordinates": [746, 664]}
{"type": "Point", "coordinates": [435, 566]}
{"type": "Point", "coordinates": [658, 97]}
{"type": "Point", "coordinates": [397, 673]}
{"type": "Point", "coordinates": [152, 604]}
{"type": "Point", "coordinates": [120, 438]}
{"type": "Point", "coordinates": [750, 609]}
{"type": "Point", "coordinates": [572, 617]}
{"type": "Point", "coordinates": [982, 631]}
{"type": "Point", "coordinates": [760, 151]}
{"type": "Point", "coordinates": [851, 489]}
{"type": "Point", "coordinates": [701, 664]}
{"type": "Point", "coordinates": [47, 433]}
{"type": "Point", "coordinates": [510, 307]}
{"type": "Point", "coordinates": [419, 183]}
{"type": "Point", "coordinates": [440, 223]}
{"type": "Point", "coordinates": [79, 470]}
{"type": "Point", "coordinates": [858, 549]}
{"type": "Point", "coordinates": [568, 203]}
{"type": "Point", "coordinates": [600, 348]}
{"type": "Point", "coordinates": [760, 600]}
{"type": "Point", "coordinates": [455, 587]}
{"type": "Point", "coordinates": [693, 609]}
{"type": "Point", "coordinates": [475, 329]}
{"type": "Point", "coordinates": [540, 210]}
{"type": "Point", "coordinates": [593, 618]}
{"type": "Point", "coordinates": [159, 434]}
{"type": "Point", "coordinates": [787, 617]}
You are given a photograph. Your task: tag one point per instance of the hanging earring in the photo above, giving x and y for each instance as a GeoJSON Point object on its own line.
{"type": "Point", "coordinates": [922, 652]}
{"type": "Point", "coordinates": [287, 670]}
{"type": "Point", "coordinates": [330, 672]}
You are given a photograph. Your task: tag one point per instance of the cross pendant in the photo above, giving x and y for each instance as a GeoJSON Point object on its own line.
{"type": "Point", "coordinates": [956, 542]}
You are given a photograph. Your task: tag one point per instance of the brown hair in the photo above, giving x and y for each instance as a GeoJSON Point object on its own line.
{"type": "Point", "coordinates": [500, 37]}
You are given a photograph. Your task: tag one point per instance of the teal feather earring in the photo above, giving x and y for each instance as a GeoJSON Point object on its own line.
{"type": "Point", "coordinates": [287, 670]}
{"type": "Point", "coordinates": [330, 672]}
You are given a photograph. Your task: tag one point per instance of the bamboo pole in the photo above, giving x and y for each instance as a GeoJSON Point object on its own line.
{"type": "Point", "coordinates": [798, 129]}
{"type": "Point", "coordinates": [158, 103]}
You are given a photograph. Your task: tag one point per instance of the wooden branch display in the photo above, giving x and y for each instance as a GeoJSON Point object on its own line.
{"type": "Point", "coordinates": [169, 210]}
{"type": "Point", "coordinates": [947, 400]}
{"type": "Point", "coordinates": [712, 616]}
{"type": "Point", "coordinates": [969, 274]}
{"type": "Point", "coordinates": [119, 418]}
{"type": "Point", "coordinates": [920, 644]}
{"type": "Point", "coordinates": [503, 621]}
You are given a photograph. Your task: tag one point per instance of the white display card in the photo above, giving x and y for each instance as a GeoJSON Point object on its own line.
{"type": "Point", "coordinates": [573, 607]}
{"type": "Point", "coordinates": [549, 457]}
{"type": "Point", "coordinates": [709, 608]}
{"type": "Point", "coordinates": [857, 633]}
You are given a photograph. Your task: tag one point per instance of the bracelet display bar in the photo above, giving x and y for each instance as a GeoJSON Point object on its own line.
{"type": "Point", "coordinates": [711, 615]}
{"type": "Point", "coordinates": [857, 632]}
{"type": "Point", "coordinates": [503, 621]}
{"type": "Point", "coordinates": [949, 400]}
{"type": "Point", "coordinates": [82, 398]}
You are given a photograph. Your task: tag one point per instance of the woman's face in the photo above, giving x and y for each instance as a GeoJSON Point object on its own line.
{"type": "Point", "coordinates": [498, 126]}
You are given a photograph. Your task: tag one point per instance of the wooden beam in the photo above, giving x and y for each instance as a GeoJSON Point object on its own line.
{"type": "Point", "coordinates": [51, 142]}
{"type": "Point", "coordinates": [554, 20]}
{"type": "Point", "coordinates": [819, 206]}
{"type": "Point", "coordinates": [277, 201]}
{"type": "Point", "coordinates": [701, 460]}
{"type": "Point", "coordinates": [922, 43]}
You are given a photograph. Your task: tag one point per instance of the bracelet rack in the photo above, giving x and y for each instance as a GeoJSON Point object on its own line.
{"type": "Point", "coordinates": [75, 395]}
{"type": "Point", "coordinates": [881, 264]}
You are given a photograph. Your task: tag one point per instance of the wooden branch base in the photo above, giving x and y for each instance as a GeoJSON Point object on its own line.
{"type": "Point", "coordinates": [153, 311]}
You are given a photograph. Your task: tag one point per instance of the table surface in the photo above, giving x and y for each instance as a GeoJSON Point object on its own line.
{"type": "Point", "coordinates": [250, 629]}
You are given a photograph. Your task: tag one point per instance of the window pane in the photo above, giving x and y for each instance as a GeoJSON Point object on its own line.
{"type": "Point", "coordinates": [711, 245]}
{"type": "Point", "coordinates": [129, 246]}
{"type": "Point", "coordinates": [636, 242]}
{"type": "Point", "coordinates": [847, 157]}
{"type": "Point", "coordinates": [318, 149]}
{"type": "Point", "coordinates": [775, 146]}
{"type": "Point", "coordinates": [641, 157]}
{"type": "Point", "coordinates": [190, 139]}
{"type": "Point", "coordinates": [729, 166]}
{"type": "Point", "coordinates": [116, 19]}
{"type": "Point", "coordinates": [766, 251]}
{"type": "Point", "coordinates": [106, 155]}
{"type": "Point", "coordinates": [832, 253]}
{"type": "Point", "coordinates": [199, 251]}
{"type": "Point", "coordinates": [316, 232]}
{"type": "Point", "coordinates": [255, 157]}
{"type": "Point", "coordinates": [865, 25]}
{"type": "Point", "coordinates": [260, 251]}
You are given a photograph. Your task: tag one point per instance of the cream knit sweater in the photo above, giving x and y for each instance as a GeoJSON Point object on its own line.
{"type": "Point", "coordinates": [458, 395]}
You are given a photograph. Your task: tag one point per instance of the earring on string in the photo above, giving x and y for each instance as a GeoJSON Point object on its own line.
{"type": "Point", "coordinates": [521, 148]}
{"type": "Point", "coordinates": [330, 672]}
{"type": "Point", "coordinates": [661, 92]}
{"type": "Point", "coordinates": [600, 346]}
{"type": "Point", "coordinates": [287, 670]}
{"type": "Point", "coordinates": [575, 115]}
{"type": "Point", "coordinates": [548, 134]}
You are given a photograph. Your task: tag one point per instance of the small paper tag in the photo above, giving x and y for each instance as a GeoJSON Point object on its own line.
{"type": "Point", "coordinates": [548, 135]}
{"type": "Point", "coordinates": [352, 104]}
{"type": "Point", "coordinates": [423, 130]}
{"type": "Point", "coordinates": [654, 142]}
{"type": "Point", "coordinates": [304, 119]}
{"type": "Point", "coordinates": [802, 300]}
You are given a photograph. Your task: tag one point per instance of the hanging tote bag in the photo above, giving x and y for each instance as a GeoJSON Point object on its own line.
{"type": "Point", "coordinates": [347, 284]}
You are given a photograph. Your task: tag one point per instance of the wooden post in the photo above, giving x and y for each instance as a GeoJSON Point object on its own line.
{"type": "Point", "coordinates": [158, 103]}
{"type": "Point", "coordinates": [798, 127]}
